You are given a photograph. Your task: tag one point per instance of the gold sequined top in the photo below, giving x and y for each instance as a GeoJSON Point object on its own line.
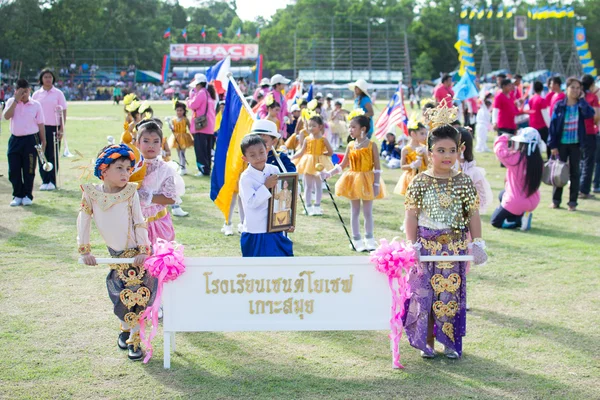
{"type": "Point", "coordinates": [450, 202]}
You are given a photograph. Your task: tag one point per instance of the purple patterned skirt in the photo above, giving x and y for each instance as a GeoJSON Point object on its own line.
{"type": "Point", "coordinates": [438, 291]}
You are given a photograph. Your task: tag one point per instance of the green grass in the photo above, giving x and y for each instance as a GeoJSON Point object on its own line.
{"type": "Point", "coordinates": [532, 329]}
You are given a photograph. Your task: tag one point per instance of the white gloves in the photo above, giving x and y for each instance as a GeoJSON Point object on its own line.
{"type": "Point", "coordinates": [416, 164]}
{"type": "Point", "coordinates": [324, 175]}
{"type": "Point", "coordinates": [477, 248]}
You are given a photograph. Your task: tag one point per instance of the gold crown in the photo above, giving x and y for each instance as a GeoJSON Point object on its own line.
{"type": "Point", "coordinates": [441, 115]}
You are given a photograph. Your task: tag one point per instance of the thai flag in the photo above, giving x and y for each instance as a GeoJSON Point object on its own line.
{"type": "Point", "coordinates": [220, 34]}
{"type": "Point", "coordinates": [217, 74]}
{"type": "Point", "coordinates": [257, 33]}
{"type": "Point", "coordinates": [167, 33]}
{"type": "Point", "coordinates": [394, 114]}
{"type": "Point", "coordinates": [184, 33]}
{"type": "Point", "coordinates": [239, 32]}
{"type": "Point", "coordinates": [203, 33]}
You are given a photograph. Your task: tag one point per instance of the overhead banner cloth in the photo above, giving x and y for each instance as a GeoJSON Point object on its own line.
{"type": "Point", "coordinates": [207, 51]}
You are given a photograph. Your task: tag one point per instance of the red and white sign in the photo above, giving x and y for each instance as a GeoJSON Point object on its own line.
{"type": "Point", "coordinates": [202, 51]}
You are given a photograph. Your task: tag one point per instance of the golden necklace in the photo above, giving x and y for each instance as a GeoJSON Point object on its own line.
{"type": "Point", "coordinates": [445, 199]}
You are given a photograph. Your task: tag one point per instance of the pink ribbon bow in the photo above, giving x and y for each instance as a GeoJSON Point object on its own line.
{"type": "Point", "coordinates": [395, 260]}
{"type": "Point", "coordinates": [166, 265]}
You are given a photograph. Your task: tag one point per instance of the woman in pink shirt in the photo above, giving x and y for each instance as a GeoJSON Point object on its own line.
{"type": "Point", "coordinates": [524, 168]}
{"type": "Point", "coordinates": [278, 84]}
{"type": "Point", "coordinates": [51, 98]}
{"type": "Point", "coordinates": [539, 114]}
{"type": "Point", "coordinates": [202, 102]}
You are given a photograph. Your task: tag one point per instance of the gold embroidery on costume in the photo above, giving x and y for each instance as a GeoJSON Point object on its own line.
{"type": "Point", "coordinates": [135, 340]}
{"type": "Point", "coordinates": [132, 319]}
{"type": "Point", "coordinates": [445, 310]}
{"type": "Point", "coordinates": [85, 248]}
{"type": "Point", "coordinates": [457, 245]}
{"type": "Point", "coordinates": [107, 200]}
{"type": "Point", "coordinates": [448, 329]}
{"type": "Point", "coordinates": [129, 298]}
{"type": "Point", "coordinates": [441, 284]}
{"type": "Point", "coordinates": [431, 245]}
{"type": "Point", "coordinates": [85, 207]}
{"type": "Point", "coordinates": [128, 273]}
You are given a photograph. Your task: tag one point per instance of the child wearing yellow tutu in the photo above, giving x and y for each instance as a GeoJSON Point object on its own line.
{"type": "Point", "coordinates": [181, 139]}
{"type": "Point", "coordinates": [362, 183]}
{"type": "Point", "coordinates": [412, 157]}
{"type": "Point", "coordinates": [315, 150]}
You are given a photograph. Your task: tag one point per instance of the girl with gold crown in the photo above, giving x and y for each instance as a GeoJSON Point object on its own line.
{"type": "Point", "coordinates": [413, 156]}
{"type": "Point", "coordinates": [362, 183]}
{"type": "Point", "coordinates": [315, 150]}
{"type": "Point", "coordinates": [442, 209]}
{"type": "Point", "coordinates": [181, 139]}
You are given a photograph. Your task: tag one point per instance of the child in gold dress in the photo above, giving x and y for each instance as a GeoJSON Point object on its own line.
{"type": "Point", "coordinates": [181, 139]}
{"type": "Point", "coordinates": [412, 157]}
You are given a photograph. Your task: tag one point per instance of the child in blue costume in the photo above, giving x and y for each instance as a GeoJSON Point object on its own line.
{"type": "Point", "coordinates": [255, 183]}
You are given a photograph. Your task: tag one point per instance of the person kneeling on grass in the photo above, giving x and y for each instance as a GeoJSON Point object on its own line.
{"type": "Point", "coordinates": [255, 183]}
{"type": "Point", "coordinates": [524, 167]}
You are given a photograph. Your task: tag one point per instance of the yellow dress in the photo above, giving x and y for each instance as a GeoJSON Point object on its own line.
{"type": "Point", "coordinates": [313, 155]}
{"type": "Point", "coordinates": [408, 175]}
{"type": "Point", "coordinates": [181, 139]}
{"type": "Point", "coordinates": [139, 169]}
{"type": "Point", "coordinates": [357, 183]}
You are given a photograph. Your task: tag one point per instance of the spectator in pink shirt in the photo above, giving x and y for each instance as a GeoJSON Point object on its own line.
{"type": "Point", "coordinates": [278, 84]}
{"type": "Point", "coordinates": [589, 144]}
{"type": "Point", "coordinates": [202, 103]}
{"type": "Point", "coordinates": [51, 99]}
{"type": "Point", "coordinates": [261, 92]}
{"type": "Point", "coordinates": [556, 94]}
{"type": "Point", "coordinates": [444, 92]}
{"type": "Point", "coordinates": [539, 113]}
{"type": "Point", "coordinates": [26, 123]}
{"type": "Point", "coordinates": [504, 109]}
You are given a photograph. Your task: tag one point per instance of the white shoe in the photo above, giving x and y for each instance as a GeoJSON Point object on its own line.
{"type": "Point", "coordinates": [199, 174]}
{"type": "Point", "coordinates": [44, 186]}
{"type": "Point", "coordinates": [317, 210]}
{"type": "Point", "coordinates": [358, 245]}
{"type": "Point", "coordinates": [240, 228]}
{"type": "Point", "coordinates": [370, 244]}
{"type": "Point", "coordinates": [183, 172]}
{"type": "Point", "coordinates": [27, 201]}
{"type": "Point", "coordinates": [50, 186]}
{"type": "Point", "coordinates": [16, 201]}
{"type": "Point", "coordinates": [178, 212]}
{"type": "Point", "coordinates": [311, 211]}
{"type": "Point", "coordinates": [227, 230]}
{"type": "Point", "coordinates": [451, 354]}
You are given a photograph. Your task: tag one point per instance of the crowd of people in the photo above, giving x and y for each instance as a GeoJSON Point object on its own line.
{"type": "Point", "coordinates": [444, 190]}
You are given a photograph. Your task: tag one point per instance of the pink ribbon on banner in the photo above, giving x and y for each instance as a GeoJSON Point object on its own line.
{"type": "Point", "coordinates": [395, 260]}
{"type": "Point", "coordinates": [166, 265]}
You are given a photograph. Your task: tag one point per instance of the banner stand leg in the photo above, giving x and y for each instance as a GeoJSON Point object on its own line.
{"type": "Point", "coordinates": [167, 350]}
{"type": "Point", "coordinates": [173, 348]}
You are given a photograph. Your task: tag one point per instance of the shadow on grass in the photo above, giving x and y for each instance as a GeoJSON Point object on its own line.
{"type": "Point", "coordinates": [220, 367]}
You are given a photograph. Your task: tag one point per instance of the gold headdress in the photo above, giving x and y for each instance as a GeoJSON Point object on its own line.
{"type": "Point", "coordinates": [128, 99]}
{"type": "Point", "coordinates": [413, 123]}
{"type": "Point", "coordinates": [441, 115]}
{"type": "Point", "coordinates": [312, 105]}
{"type": "Point", "coordinates": [133, 106]}
{"type": "Point", "coordinates": [143, 107]}
{"type": "Point", "coordinates": [357, 112]}
{"type": "Point", "coordinates": [424, 102]}
{"type": "Point", "coordinates": [308, 114]}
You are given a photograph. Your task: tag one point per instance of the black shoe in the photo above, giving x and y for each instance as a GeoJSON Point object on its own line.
{"type": "Point", "coordinates": [122, 341]}
{"type": "Point", "coordinates": [135, 355]}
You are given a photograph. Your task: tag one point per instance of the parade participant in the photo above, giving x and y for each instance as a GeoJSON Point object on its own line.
{"type": "Point", "coordinates": [293, 120]}
{"type": "Point", "coordinates": [315, 150]}
{"type": "Point", "coordinates": [484, 124]}
{"type": "Point", "coordinates": [556, 94]}
{"type": "Point", "coordinates": [539, 113]}
{"type": "Point", "coordinates": [181, 139]}
{"type": "Point", "coordinates": [362, 183]}
{"type": "Point", "coordinates": [363, 101]}
{"type": "Point", "coordinates": [338, 123]}
{"type": "Point", "coordinates": [443, 93]}
{"type": "Point", "coordinates": [413, 156]}
{"type": "Point", "coordinates": [567, 135]}
{"type": "Point", "coordinates": [162, 186]}
{"type": "Point", "coordinates": [202, 103]}
{"type": "Point", "coordinates": [524, 166]}
{"type": "Point", "coordinates": [114, 205]}
{"type": "Point", "coordinates": [273, 110]}
{"type": "Point", "coordinates": [389, 148]}
{"type": "Point", "coordinates": [255, 183]}
{"type": "Point", "coordinates": [505, 109]}
{"type": "Point", "coordinates": [51, 98]}
{"type": "Point", "coordinates": [278, 84]}
{"type": "Point", "coordinates": [589, 145]}
{"type": "Point", "coordinates": [442, 208]}
{"type": "Point", "coordinates": [477, 174]}
{"type": "Point", "coordinates": [26, 127]}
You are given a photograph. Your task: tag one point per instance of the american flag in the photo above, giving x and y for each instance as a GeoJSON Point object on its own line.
{"type": "Point", "coordinates": [394, 114]}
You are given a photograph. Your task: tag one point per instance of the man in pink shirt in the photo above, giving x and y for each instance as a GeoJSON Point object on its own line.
{"type": "Point", "coordinates": [504, 109]}
{"type": "Point", "coordinates": [556, 94]}
{"type": "Point", "coordinates": [278, 84]}
{"type": "Point", "coordinates": [539, 115]}
{"type": "Point", "coordinates": [51, 99]}
{"type": "Point", "coordinates": [26, 122]}
{"type": "Point", "coordinates": [444, 92]}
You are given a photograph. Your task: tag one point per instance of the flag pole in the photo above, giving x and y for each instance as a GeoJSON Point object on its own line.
{"type": "Point", "coordinates": [241, 95]}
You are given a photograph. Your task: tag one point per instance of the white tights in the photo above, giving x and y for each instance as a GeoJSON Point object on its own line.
{"type": "Point", "coordinates": [236, 199]}
{"type": "Point", "coordinates": [312, 183]}
{"type": "Point", "coordinates": [355, 218]}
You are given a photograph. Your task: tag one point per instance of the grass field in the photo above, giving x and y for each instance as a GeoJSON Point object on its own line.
{"type": "Point", "coordinates": [532, 329]}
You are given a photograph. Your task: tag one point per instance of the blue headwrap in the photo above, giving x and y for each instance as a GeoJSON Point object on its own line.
{"type": "Point", "coordinates": [109, 155]}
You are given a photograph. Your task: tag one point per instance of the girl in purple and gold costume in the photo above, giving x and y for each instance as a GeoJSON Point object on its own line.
{"type": "Point", "coordinates": [442, 207]}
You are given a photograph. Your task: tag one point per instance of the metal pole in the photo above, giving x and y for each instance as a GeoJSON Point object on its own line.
{"type": "Point", "coordinates": [332, 52]}
{"type": "Point", "coordinates": [387, 52]}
